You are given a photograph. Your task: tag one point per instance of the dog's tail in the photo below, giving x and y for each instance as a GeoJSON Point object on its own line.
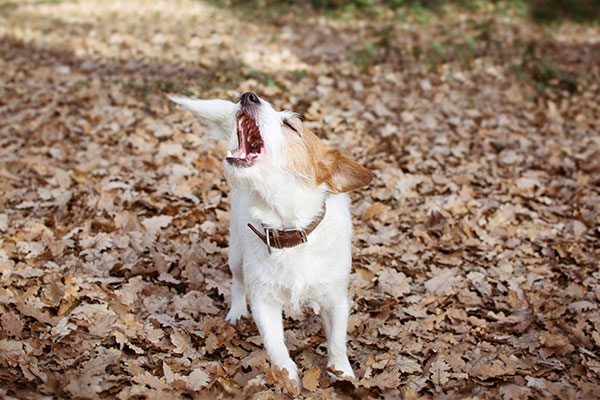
{"type": "Point", "coordinates": [218, 114]}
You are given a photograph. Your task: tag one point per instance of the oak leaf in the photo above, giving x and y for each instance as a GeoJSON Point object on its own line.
{"type": "Point", "coordinates": [438, 371]}
{"type": "Point", "coordinates": [310, 380]}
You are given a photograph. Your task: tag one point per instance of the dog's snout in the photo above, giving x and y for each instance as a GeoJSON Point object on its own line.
{"type": "Point", "coordinates": [249, 98]}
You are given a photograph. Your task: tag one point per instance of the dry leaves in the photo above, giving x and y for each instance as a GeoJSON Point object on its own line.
{"type": "Point", "coordinates": [310, 380]}
{"type": "Point", "coordinates": [476, 248]}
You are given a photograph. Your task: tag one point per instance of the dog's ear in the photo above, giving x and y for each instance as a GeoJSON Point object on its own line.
{"type": "Point", "coordinates": [218, 114]}
{"type": "Point", "coordinates": [342, 174]}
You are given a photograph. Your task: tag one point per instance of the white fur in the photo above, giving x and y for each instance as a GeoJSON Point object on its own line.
{"type": "Point", "coordinates": [311, 274]}
{"type": "Point", "coordinates": [219, 114]}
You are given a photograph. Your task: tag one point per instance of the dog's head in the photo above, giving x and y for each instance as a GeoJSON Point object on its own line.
{"type": "Point", "coordinates": [267, 140]}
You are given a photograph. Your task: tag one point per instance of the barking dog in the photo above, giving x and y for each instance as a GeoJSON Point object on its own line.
{"type": "Point", "coordinates": [290, 221]}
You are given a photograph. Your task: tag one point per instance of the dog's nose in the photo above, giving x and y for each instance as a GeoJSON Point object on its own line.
{"type": "Point", "coordinates": [249, 98]}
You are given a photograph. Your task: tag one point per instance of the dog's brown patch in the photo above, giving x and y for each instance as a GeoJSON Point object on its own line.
{"type": "Point", "coordinates": [313, 160]}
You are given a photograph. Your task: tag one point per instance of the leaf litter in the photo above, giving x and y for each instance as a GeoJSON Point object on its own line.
{"type": "Point", "coordinates": [476, 251]}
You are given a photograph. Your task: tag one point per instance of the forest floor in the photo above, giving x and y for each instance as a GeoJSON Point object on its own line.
{"type": "Point", "coordinates": [476, 251]}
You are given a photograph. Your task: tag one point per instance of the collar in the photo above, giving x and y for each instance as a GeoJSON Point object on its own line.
{"type": "Point", "coordinates": [285, 238]}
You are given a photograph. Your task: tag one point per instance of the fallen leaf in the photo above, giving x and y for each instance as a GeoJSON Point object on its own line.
{"type": "Point", "coordinates": [310, 380]}
{"type": "Point", "coordinates": [438, 371]}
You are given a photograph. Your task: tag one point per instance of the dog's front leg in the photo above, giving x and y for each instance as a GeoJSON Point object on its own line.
{"type": "Point", "coordinates": [335, 320]}
{"type": "Point", "coordinates": [238, 289]}
{"type": "Point", "coordinates": [238, 296]}
{"type": "Point", "coordinates": [268, 318]}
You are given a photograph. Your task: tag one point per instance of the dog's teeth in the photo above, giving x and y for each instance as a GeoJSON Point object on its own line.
{"type": "Point", "coordinates": [229, 154]}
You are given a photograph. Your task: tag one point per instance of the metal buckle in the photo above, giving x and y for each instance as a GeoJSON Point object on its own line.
{"type": "Point", "coordinates": [303, 236]}
{"type": "Point", "coordinates": [276, 238]}
{"type": "Point", "coordinates": [268, 239]}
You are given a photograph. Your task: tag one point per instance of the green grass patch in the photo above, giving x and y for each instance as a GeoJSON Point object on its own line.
{"type": "Point", "coordinates": [441, 52]}
{"type": "Point", "coordinates": [299, 73]}
{"type": "Point", "coordinates": [545, 74]}
{"type": "Point", "coordinates": [365, 56]}
{"type": "Point", "coordinates": [147, 87]}
{"type": "Point", "coordinates": [582, 11]}
{"type": "Point", "coordinates": [421, 11]}
{"type": "Point", "coordinates": [266, 79]}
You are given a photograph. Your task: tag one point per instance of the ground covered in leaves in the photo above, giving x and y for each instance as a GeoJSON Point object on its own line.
{"type": "Point", "coordinates": [476, 261]}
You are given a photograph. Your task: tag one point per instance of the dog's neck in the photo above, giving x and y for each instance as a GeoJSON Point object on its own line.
{"type": "Point", "coordinates": [288, 204]}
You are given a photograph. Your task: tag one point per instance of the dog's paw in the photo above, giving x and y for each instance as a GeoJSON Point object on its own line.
{"type": "Point", "coordinates": [292, 371]}
{"type": "Point", "coordinates": [289, 381]}
{"type": "Point", "coordinates": [295, 377]}
{"type": "Point", "coordinates": [234, 315]}
{"type": "Point", "coordinates": [343, 371]}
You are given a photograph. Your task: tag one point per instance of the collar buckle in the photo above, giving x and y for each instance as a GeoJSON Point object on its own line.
{"type": "Point", "coordinates": [268, 237]}
{"type": "Point", "coordinates": [303, 236]}
{"type": "Point", "coordinates": [286, 238]}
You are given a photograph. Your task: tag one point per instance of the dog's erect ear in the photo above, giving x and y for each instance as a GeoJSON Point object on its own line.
{"type": "Point", "coordinates": [218, 114]}
{"type": "Point", "coordinates": [343, 174]}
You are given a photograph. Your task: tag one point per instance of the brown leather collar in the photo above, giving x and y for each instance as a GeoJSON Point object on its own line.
{"type": "Point", "coordinates": [285, 238]}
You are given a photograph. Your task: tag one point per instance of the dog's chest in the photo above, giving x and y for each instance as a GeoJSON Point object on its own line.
{"type": "Point", "coordinates": [303, 274]}
{"type": "Point", "coordinates": [295, 277]}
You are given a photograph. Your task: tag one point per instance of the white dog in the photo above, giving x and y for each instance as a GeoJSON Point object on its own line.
{"type": "Point", "coordinates": [290, 222]}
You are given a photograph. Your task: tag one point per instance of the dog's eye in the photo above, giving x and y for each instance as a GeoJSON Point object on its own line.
{"type": "Point", "coordinates": [290, 126]}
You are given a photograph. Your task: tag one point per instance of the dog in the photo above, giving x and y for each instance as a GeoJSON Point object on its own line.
{"type": "Point", "coordinates": [290, 228]}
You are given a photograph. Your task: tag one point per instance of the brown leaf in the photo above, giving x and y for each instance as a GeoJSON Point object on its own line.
{"type": "Point", "coordinates": [374, 210]}
{"type": "Point", "coordinates": [276, 376]}
{"type": "Point", "coordinates": [408, 365]}
{"type": "Point", "coordinates": [438, 371]}
{"type": "Point", "coordinates": [11, 323]}
{"type": "Point", "coordinates": [128, 294]}
{"type": "Point", "coordinates": [549, 339]}
{"type": "Point", "coordinates": [387, 379]}
{"type": "Point", "coordinates": [443, 281]}
{"type": "Point", "coordinates": [150, 380]}
{"type": "Point", "coordinates": [256, 359]}
{"type": "Point", "coordinates": [393, 282]}
{"type": "Point", "coordinates": [310, 380]}
{"type": "Point", "coordinates": [183, 343]}
{"type": "Point", "coordinates": [197, 379]}
{"type": "Point", "coordinates": [495, 369]}
{"type": "Point", "coordinates": [154, 225]}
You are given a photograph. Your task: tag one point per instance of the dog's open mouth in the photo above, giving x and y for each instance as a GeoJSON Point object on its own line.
{"type": "Point", "coordinates": [250, 144]}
